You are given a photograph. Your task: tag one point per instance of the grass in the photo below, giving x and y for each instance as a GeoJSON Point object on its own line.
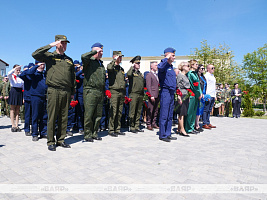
{"type": "Point", "coordinates": [254, 117]}
{"type": "Point", "coordinates": [257, 117]}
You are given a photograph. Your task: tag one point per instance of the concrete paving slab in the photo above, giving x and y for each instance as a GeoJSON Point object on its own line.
{"type": "Point", "coordinates": [233, 153]}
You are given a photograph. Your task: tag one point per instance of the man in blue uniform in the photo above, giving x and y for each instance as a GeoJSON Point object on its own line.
{"type": "Point", "coordinates": [167, 80]}
{"type": "Point", "coordinates": [79, 95]}
{"type": "Point", "coordinates": [38, 100]}
{"type": "Point", "coordinates": [27, 98]}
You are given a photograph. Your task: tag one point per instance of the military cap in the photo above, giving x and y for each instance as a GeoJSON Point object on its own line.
{"type": "Point", "coordinates": [117, 53]}
{"type": "Point", "coordinates": [97, 45]}
{"type": "Point", "coordinates": [30, 65]}
{"type": "Point", "coordinates": [136, 59]}
{"type": "Point", "coordinates": [61, 38]}
{"type": "Point", "coordinates": [76, 62]}
{"type": "Point", "coordinates": [169, 49]}
{"type": "Point", "coordinates": [26, 67]}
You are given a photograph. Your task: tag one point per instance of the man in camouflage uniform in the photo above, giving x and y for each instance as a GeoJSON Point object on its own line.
{"type": "Point", "coordinates": [227, 101]}
{"type": "Point", "coordinates": [5, 86]}
{"type": "Point", "coordinates": [93, 91]}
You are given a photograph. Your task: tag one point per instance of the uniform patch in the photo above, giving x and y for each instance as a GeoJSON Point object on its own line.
{"type": "Point", "coordinates": [68, 61]}
{"type": "Point", "coordinates": [56, 59]}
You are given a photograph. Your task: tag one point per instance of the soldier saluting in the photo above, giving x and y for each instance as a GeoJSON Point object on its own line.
{"type": "Point", "coordinates": [60, 80]}
{"type": "Point", "coordinates": [117, 89]}
{"type": "Point", "coordinates": [93, 91]}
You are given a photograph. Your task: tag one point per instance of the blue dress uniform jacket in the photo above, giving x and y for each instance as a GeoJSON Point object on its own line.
{"type": "Point", "coordinates": [167, 76]}
{"type": "Point", "coordinates": [27, 85]}
{"type": "Point", "coordinates": [79, 86]}
{"type": "Point", "coordinates": [167, 80]}
{"type": "Point", "coordinates": [38, 86]}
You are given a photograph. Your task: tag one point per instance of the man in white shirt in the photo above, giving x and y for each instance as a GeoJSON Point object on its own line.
{"type": "Point", "coordinates": [211, 90]}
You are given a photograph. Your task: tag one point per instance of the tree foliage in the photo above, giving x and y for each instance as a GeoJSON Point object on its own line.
{"type": "Point", "coordinates": [226, 69]}
{"type": "Point", "coordinates": [255, 67]}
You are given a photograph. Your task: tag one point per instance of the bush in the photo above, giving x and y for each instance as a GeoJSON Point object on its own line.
{"type": "Point", "coordinates": [259, 113]}
{"type": "Point", "coordinates": [258, 106]}
{"type": "Point", "coordinates": [248, 110]}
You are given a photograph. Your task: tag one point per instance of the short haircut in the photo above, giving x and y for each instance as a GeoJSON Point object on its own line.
{"type": "Point", "coordinates": [152, 62]}
{"type": "Point", "coordinates": [15, 66]}
{"type": "Point", "coordinates": [180, 66]}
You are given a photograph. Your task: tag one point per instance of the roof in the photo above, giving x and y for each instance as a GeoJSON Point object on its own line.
{"type": "Point", "coordinates": [148, 58]}
{"type": "Point", "coordinates": [4, 62]}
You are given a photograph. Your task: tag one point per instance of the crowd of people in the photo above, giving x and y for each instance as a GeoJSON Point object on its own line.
{"type": "Point", "coordinates": [60, 94]}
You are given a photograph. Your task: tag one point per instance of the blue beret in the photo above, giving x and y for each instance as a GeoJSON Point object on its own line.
{"type": "Point", "coordinates": [36, 62]}
{"type": "Point", "coordinates": [30, 65]}
{"type": "Point", "coordinates": [97, 45]}
{"type": "Point", "coordinates": [169, 49]}
{"type": "Point", "coordinates": [5, 76]}
{"type": "Point", "coordinates": [76, 62]}
{"type": "Point", "coordinates": [26, 66]}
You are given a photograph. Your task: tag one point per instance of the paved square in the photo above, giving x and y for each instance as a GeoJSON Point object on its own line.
{"type": "Point", "coordinates": [233, 153]}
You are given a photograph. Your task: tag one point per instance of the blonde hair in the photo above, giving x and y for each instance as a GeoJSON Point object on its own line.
{"type": "Point", "coordinates": [192, 62]}
{"type": "Point", "coordinates": [180, 66]}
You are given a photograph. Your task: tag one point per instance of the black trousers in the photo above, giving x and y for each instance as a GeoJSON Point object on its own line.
{"type": "Point", "coordinates": [236, 108]}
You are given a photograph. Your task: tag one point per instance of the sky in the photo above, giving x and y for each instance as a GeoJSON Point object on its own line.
{"type": "Point", "coordinates": [139, 27]}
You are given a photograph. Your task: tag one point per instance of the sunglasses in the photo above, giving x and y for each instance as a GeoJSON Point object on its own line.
{"type": "Point", "coordinates": [213, 68]}
{"type": "Point", "coordinates": [202, 68]}
{"type": "Point", "coordinates": [138, 63]}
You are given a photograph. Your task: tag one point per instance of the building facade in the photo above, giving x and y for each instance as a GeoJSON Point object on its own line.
{"type": "Point", "coordinates": [3, 66]}
{"type": "Point", "coordinates": [145, 62]}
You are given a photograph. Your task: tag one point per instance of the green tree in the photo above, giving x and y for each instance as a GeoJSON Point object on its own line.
{"type": "Point", "coordinates": [226, 69]}
{"type": "Point", "coordinates": [255, 66]}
